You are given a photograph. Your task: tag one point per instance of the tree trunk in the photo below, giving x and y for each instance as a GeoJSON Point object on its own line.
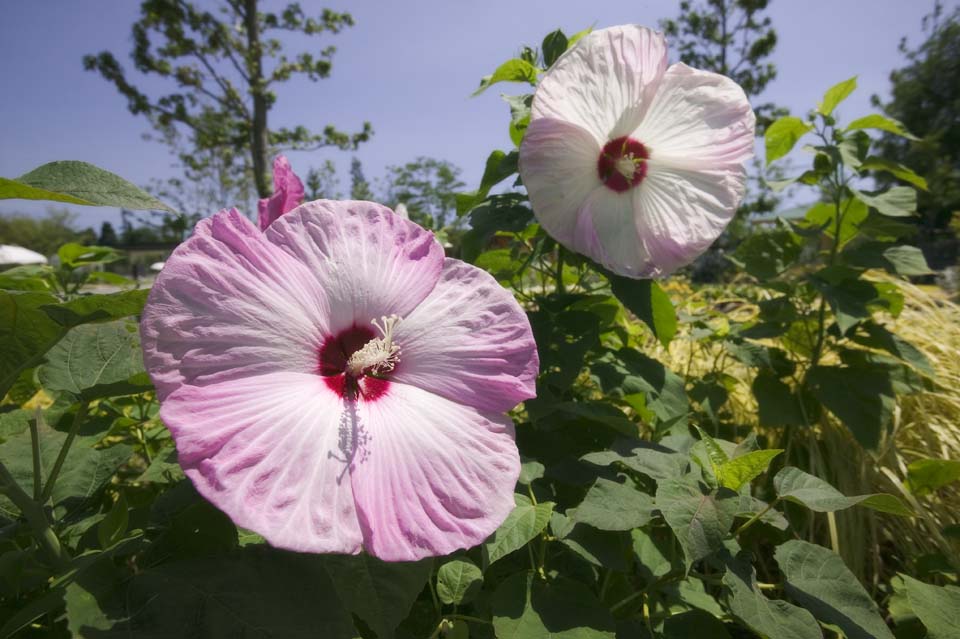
{"type": "Point", "coordinates": [258, 89]}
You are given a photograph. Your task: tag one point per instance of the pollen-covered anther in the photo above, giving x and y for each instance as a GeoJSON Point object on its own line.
{"type": "Point", "coordinates": [379, 355]}
{"type": "Point", "coordinates": [627, 166]}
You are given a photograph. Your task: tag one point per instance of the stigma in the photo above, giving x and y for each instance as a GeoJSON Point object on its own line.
{"type": "Point", "coordinates": [379, 355]}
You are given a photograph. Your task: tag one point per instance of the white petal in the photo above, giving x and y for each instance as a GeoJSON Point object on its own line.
{"type": "Point", "coordinates": [558, 164]}
{"type": "Point", "coordinates": [681, 212]}
{"type": "Point", "coordinates": [610, 233]}
{"type": "Point", "coordinates": [438, 476]}
{"type": "Point", "coordinates": [228, 304]}
{"type": "Point", "coordinates": [272, 452]}
{"type": "Point", "coordinates": [370, 261]}
{"type": "Point", "coordinates": [697, 119]}
{"type": "Point", "coordinates": [604, 82]}
{"type": "Point", "coordinates": [469, 341]}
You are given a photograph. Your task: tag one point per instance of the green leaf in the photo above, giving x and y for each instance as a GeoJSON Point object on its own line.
{"type": "Point", "coordinates": [111, 528]}
{"type": "Point", "coordinates": [76, 255]}
{"type": "Point", "coordinates": [523, 524]}
{"type": "Point", "coordinates": [29, 277]}
{"type": "Point", "coordinates": [519, 115]}
{"type": "Point", "coordinates": [653, 460]}
{"type": "Point", "coordinates": [505, 212]}
{"type": "Point", "coordinates": [500, 165]}
{"type": "Point", "coordinates": [528, 608]}
{"type": "Point", "coordinates": [836, 94]}
{"type": "Point", "coordinates": [897, 201]}
{"type": "Point", "coordinates": [608, 549]}
{"type": "Point", "coordinates": [381, 593]}
{"type": "Point", "coordinates": [777, 403]}
{"type": "Point", "coordinates": [938, 607]}
{"type": "Point", "coordinates": [553, 47]}
{"type": "Point", "coordinates": [927, 475]}
{"type": "Point", "coordinates": [716, 455]}
{"type": "Point", "coordinates": [881, 338]}
{"type": "Point", "coordinates": [768, 254]}
{"type": "Point", "coordinates": [610, 505]}
{"type": "Point", "coordinates": [803, 488]}
{"type": "Point", "coordinates": [862, 398]}
{"type": "Point", "coordinates": [700, 518]}
{"type": "Point", "coordinates": [694, 623]}
{"type": "Point", "coordinates": [894, 169]}
{"type": "Point", "coordinates": [648, 302]}
{"type": "Point", "coordinates": [899, 260]}
{"type": "Point", "coordinates": [97, 308]}
{"type": "Point", "coordinates": [823, 215]}
{"type": "Point", "coordinates": [576, 36]}
{"type": "Point", "coordinates": [882, 123]}
{"type": "Point", "coordinates": [26, 333]}
{"type": "Point", "coordinates": [737, 472]}
{"type": "Point", "coordinates": [515, 70]}
{"type": "Point", "coordinates": [96, 360]}
{"type": "Point", "coordinates": [458, 581]}
{"type": "Point", "coordinates": [772, 618]}
{"type": "Point", "coordinates": [782, 135]}
{"type": "Point", "coordinates": [79, 183]}
{"type": "Point", "coordinates": [818, 580]}
{"type": "Point", "coordinates": [628, 372]}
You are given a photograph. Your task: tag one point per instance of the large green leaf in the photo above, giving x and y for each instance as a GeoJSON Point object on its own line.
{"type": "Point", "coordinates": [26, 333]}
{"type": "Point", "coordinates": [79, 183]}
{"type": "Point", "coordinates": [938, 607]}
{"type": "Point", "coordinates": [766, 255]}
{"type": "Point", "coordinates": [736, 472]}
{"type": "Point", "coordinates": [458, 581]}
{"type": "Point", "coordinates": [649, 302]}
{"type": "Point", "coordinates": [611, 505]}
{"type": "Point", "coordinates": [97, 308]}
{"type": "Point", "coordinates": [777, 404]}
{"type": "Point", "coordinates": [653, 460]}
{"type": "Point", "coordinates": [877, 336]}
{"type": "Point", "coordinates": [823, 215]}
{"type": "Point", "coordinates": [96, 360]}
{"type": "Point", "coordinates": [862, 398]}
{"type": "Point", "coordinates": [882, 123]}
{"type": "Point", "coordinates": [499, 166]}
{"type": "Point", "coordinates": [818, 580]}
{"type": "Point", "coordinates": [807, 490]}
{"type": "Point", "coordinates": [782, 135]}
{"type": "Point", "coordinates": [379, 592]}
{"type": "Point", "coordinates": [528, 608]}
{"type": "Point", "coordinates": [837, 94]}
{"type": "Point", "coordinates": [515, 70]}
{"type": "Point", "coordinates": [627, 372]}
{"type": "Point", "coordinates": [700, 517]}
{"type": "Point", "coordinates": [772, 618]}
{"type": "Point", "coordinates": [523, 524]}
{"type": "Point", "coordinates": [694, 623]}
{"type": "Point", "coordinates": [897, 201]}
{"type": "Point", "coordinates": [900, 260]}
{"type": "Point", "coordinates": [895, 169]}
{"type": "Point", "coordinates": [927, 475]}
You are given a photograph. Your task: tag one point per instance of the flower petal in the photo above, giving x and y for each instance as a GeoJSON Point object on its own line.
{"type": "Point", "coordinates": [697, 119]}
{"type": "Point", "coordinates": [272, 453]}
{"type": "Point", "coordinates": [469, 341]}
{"type": "Point", "coordinates": [609, 233]}
{"type": "Point", "coordinates": [370, 261]}
{"type": "Point", "coordinates": [604, 82]}
{"type": "Point", "coordinates": [681, 212]}
{"type": "Point", "coordinates": [558, 164]}
{"type": "Point", "coordinates": [227, 305]}
{"type": "Point", "coordinates": [287, 193]}
{"type": "Point", "coordinates": [438, 476]}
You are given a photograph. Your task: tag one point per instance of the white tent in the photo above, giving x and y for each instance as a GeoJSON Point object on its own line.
{"type": "Point", "coordinates": [10, 254]}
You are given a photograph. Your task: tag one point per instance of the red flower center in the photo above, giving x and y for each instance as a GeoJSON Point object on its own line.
{"type": "Point", "coordinates": [622, 164]}
{"type": "Point", "coordinates": [332, 361]}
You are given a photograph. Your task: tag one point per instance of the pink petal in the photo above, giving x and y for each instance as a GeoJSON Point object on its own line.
{"type": "Point", "coordinates": [469, 341]}
{"type": "Point", "coordinates": [603, 84]}
{"type": "Point", "coordinates": [228, 305]}
{"type": "Point", "coordinates": [681, 212]}
{"type": "Point", "coordinates": [437, 476]}
{"type": "Point", "coordinates": [609, 233]}
{"type": "Point", "coordinates": [287, 193]}
{"type": "Point", "coordinates": [697, 119]}
{"type": "Point", "coordinates": [369, 261]}
{"type": "Point", "coordinates": [558, 163]}
{"type": "Point", "coordinates": [272, 453]}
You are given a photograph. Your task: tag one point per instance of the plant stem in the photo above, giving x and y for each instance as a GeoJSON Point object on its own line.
{"type": "Point", "coordinates": [469, 618]}
{"type": "Point", "coordinates": [560, 288]}
{"type": "Point", "coordinates": [35, 450]}
{"type": "Point", "coordinates": [57, 465]}
{"type": "Point", "coordinates": [623, 602]}
{"type": "Point", "coordinates": [33, 512]}
{"type": "Point", "coordinates": [757, 517]}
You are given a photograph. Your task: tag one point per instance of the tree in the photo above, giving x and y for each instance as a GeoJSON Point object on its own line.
{"type": "Point", "coordinates": [323, 183]}
{"type": "Point", "coordinates": [45, 234]}
{"type": "Point", "coordinates": [926, 98]}
{"type": "Point", "coordinates": [108, 236]}
{"type": "Point", "coordinates": [730, 37]}
{"type": "Point", "coordinates": [359, 187]}
{"type": "Point", "coordinates": [428, 188]}
{"type": "Point", "coordinates": [221, 67]}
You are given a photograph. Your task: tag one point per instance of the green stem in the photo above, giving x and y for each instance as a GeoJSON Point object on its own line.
{"type": "Point", "coordinates": [33, 512]}
{"type": "Point", "coordinates": [35, 450]}
{"type": "Point", "coordinates": [623, 602]}
{"type": "Point", "coordinates": [57, 465]}
{"type": "Point", "coordinates": [757, 517]}
{"type": "Point", "coordinates": [560, 288]}
{"type": "Point", "coordinates": [469, 618]}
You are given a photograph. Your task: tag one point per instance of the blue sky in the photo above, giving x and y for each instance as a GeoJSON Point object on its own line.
{"type": "Point", "coordinates": [407, 67]}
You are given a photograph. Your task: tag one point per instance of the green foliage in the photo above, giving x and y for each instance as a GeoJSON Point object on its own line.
{"type": "Point", "coordinates": [428, 187]}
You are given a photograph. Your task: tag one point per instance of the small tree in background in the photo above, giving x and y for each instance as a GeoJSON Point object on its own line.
{"type": "Point", "coordinates": [428, 188]}
{"type": "Point", "coordinates": [108, 236]}
{"type": "Point", "coordinates": [322, 183]}
{"type": "Point", "coordinates": [225, 67]}
{"type": "Point", "coordinates": [359, 187]}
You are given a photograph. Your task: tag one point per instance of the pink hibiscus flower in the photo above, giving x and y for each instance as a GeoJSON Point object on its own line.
{"type": "Point", "coordinates": [336, 383]}
{"type": "Point", "coordinates": [287, 193]}
{"type": "Point", "coordinates": [635, 164]}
